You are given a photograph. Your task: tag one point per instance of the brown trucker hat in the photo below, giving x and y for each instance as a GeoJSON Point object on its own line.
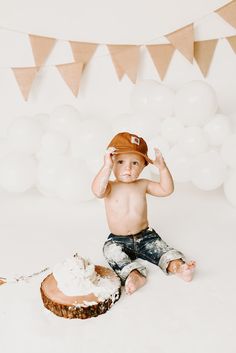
{"type": "Point", "coordinates": [124, 142]}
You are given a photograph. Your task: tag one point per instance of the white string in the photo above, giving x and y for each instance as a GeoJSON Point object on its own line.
{"type": "Point", "coordinates": [102, 56]}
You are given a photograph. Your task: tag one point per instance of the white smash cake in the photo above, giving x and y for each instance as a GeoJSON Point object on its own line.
{"type": "Point", "coordinates": [77, 277]}
{"type": "Point", "coordinates": [79, 289]}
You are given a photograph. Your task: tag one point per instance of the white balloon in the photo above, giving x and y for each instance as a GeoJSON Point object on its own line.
{"type": "Point", "coordinates": [159, 142]}
{"type": "Point", "coordinates": [232, 117]}
{"type": "Point", "coordinates": [122, 123]}
{"type": "Point", "coordinates": [144, 125]}
{"type": "Point", "coordinates": [162, 145]}
{"type": "Point", "coordinates": [230, 188]}
{"type": "Point", "coordinates": [49, 171]}
{"type": "Point", "coordinates": [195, 103]}
{"type": "Point", "coordinates": [5, 148]}
{"type": "Point", "coordinates": [53, 143]}
{"type": "Point", "coordinates": [208, 171]}
{"type": "Point", "coordinates": [65, 119]}
{"type": "Point", "coordinates": [43, 119]}
{"type": "Point", "coordinates": [92, 138]}
{"type": "Point", "coordinates": [228, 149]}
{"type": "Point", "coordinates": [193, 141]}
{"type": "Point", "coordinates": [217, 129]}
{"type": "Point", "coordinates": [24, 134]}
{"type": "Point", "coordinates": [179, 164]}
{"type": "Point", "coordinates": [75, 182]}
{"type": "Point", "coordinates": [17, 172]}
{"type": "Point", "coordinates": [172, 129]}
{"type": "Point", "coordinates": [149, 96]}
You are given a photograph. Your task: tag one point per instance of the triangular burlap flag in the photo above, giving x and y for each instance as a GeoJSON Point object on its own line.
{"type": "Point", "coordinates": [119, 70]}
{"type": "Point", "coordinates": [183, 39]}
{"type": "Point", "coordinates": [71, 74]}
{"type": "Point", "coordinates": [41, 47]}
{"type": "Point", "coordinates": [82, 52]}
{"type": "Point", "coordinates": [228, 13]}
{"type": "Point", "coordinates": [161, 55]}
{"type": "Point", "coordinates": [232, 42]}
{"type": "Point", "coordinates": [126, 60]}
{"type": "Point", "coordinates": [203, 54]}
{"type": "Point", "coordinates": [25, 77]}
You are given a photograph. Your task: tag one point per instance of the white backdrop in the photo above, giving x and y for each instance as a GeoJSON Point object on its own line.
{"type": "Point", "coordinates": [105, 21]}
{"type": "Point", "coordinates": [89, 20]}
{"type": "Point", "coordinates": [197, 317]}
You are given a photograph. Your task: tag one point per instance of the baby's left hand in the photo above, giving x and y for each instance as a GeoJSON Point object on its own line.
{"type": "Point", "coordinates": [159, 160]}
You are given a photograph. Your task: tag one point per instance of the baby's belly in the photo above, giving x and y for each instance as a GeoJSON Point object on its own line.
{"type": "Point", "coordinates": [126, 223]}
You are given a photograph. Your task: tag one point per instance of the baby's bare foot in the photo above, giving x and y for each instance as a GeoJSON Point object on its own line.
{"type": "Point", "coordinates": [186, 270]}
{"type": "Point", "coordinates": [134, 281]}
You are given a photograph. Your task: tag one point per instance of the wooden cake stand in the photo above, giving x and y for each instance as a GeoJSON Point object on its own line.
{"type": "Point", "coordinates": [77, 307]}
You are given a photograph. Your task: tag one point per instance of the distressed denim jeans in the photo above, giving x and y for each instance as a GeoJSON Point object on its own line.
{"type": "Point", "coordinates": [122, 252]}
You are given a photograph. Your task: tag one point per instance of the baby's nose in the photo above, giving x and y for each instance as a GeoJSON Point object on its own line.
{"type": "Point", "coordinates": [127, 167]}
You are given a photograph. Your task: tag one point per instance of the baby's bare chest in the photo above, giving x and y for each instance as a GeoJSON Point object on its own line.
{"type": "Point", "coordinates": [126, 197]}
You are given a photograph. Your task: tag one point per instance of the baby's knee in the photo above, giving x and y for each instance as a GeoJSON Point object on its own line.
{"type": "Point", "coordinates": [113, 252]}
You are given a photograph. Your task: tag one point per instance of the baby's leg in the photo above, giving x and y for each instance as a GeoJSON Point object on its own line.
{"type": "Point", "coordinates": [154, 249]}
{"type": "Point", "coordinates": [182, 269]}
{"type": "Point", "coordinates": [131, 271]}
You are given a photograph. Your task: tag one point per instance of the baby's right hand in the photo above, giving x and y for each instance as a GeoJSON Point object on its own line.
{"type": "Point", "coordinates": [108, 161]}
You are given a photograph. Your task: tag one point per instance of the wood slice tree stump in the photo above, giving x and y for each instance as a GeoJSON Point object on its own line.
{"type": "Point", "coordinates": [78, 307]}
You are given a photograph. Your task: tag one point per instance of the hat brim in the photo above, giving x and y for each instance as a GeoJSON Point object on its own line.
{"type": "Point", "coordinates": [148, 160]}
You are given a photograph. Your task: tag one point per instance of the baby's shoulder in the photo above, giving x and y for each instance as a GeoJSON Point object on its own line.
{"type": "Point", "coordinates": [143, 181]}
{"type": "Point", "coordinates": [140, 184]}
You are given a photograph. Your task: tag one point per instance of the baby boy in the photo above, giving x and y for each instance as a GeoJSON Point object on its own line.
{"type": "Point", "coordinates": [131, 237]}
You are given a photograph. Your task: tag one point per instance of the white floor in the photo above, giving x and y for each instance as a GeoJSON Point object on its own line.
{"type": "Point", "coordinates": [167, 315]}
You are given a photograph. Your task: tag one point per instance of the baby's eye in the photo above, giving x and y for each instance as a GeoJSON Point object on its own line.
{"type": "Point", "coordinates": [135, 163]}
{"type": "Point", "coordinates": [120, 162]}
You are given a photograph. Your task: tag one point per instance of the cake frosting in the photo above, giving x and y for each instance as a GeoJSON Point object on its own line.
{"type": "Point", "coordinates": [77, 277]}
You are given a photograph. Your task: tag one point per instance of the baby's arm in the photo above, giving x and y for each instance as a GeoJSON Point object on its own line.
{"type": "Point", "coordinates": [166, 185]}
{"type": "Point", "coordinates": [100, 185]}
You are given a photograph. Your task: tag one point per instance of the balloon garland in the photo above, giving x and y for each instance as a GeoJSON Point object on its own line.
{"type": "Point", "coordinates": [59, 153]}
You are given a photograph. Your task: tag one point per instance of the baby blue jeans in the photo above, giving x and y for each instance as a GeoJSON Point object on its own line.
{"type": "Point", "coordinates": [122, 252]}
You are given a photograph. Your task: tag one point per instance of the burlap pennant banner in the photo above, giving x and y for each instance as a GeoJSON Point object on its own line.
{"type": "Point", "coordinates": [83, 52]}
{"type": "Point", "coordinates": [182, 40]}
{"type": "Point", "coordinates": [203, 54]}
{"type": "Point", "coordinates": [41, 47]}
{"type": "Point", "coordinates": [126, 60]}
{"type": "Point", "coordinates": [71, 74]}
{"type": "Point", "coordinates": [126, 57]}
{"type": "Point", "coordinates": [25, 77]}
{"type": "Point", "coordinates": [232, 42]}
{"type": "Point", "coordinates": [228, 13]}
{"type": "Point", "coordinates": [161, 55]}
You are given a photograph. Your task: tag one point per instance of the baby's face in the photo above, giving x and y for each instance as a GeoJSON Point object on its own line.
{"type": "Point", "coordinates": [127, 166]}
